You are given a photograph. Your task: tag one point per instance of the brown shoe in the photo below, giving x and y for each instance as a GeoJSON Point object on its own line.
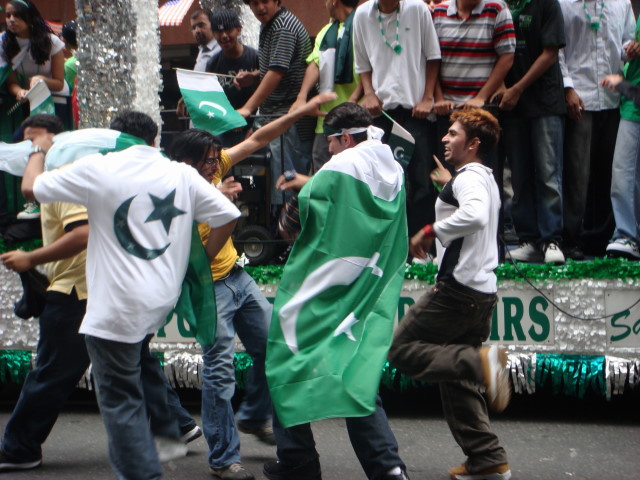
{"type": "Point", "coordinates": [498, 472]}
{"type": "Point", "coordinates": [494, 363]}
{"type": "Point", "coordinates": [264, 434]}
{"type": "Point", "coordinates": [235, 471]}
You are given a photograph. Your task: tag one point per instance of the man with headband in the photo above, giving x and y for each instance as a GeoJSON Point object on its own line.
{"type": "Point", "coordinates": [361, 182]}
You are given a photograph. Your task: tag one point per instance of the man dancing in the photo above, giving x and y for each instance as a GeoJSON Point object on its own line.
{"type": "Point", "coordinates": [438, 340]}
{"type": "Point", "coordinates": [141, 207]}
{"type": "Point", "coordinates": [333, 314]}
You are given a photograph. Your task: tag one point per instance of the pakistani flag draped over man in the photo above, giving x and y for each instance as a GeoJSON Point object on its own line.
{"type": "Point", "coordinates": [334, 311]}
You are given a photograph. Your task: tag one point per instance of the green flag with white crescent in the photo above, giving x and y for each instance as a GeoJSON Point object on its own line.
{"type": "Point", "coordinates": [197, 301]}
{"type": "Point", "coordinates": [40, 99]}
{"type": "Point", "coordinates": [334, 311]}
{"type": "Point", "coordinates": [207, 103]}
{"type": "Point", "coordinates": [401, 142]}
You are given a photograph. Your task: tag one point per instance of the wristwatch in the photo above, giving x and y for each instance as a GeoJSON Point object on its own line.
{"type": "Point", "coordinates": [36, 149]}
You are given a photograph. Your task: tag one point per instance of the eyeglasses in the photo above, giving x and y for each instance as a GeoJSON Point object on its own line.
{"type": "Point", "coordinates": [210, 160]}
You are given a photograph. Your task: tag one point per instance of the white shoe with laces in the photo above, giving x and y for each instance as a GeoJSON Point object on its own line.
{"type": "Point", "coordinates": [625, 248]}
{"type": "Point", "coordinates": [527, 252]}
{"type": "Point", "coordinates": [553, 253]}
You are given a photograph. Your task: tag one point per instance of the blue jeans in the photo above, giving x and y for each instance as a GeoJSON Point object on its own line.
{"type": "Point", "coordinates": [244, 309]}
{"type": "Point", "coordinates": [534, 150]}
{"type": "Point", "coordinates": [625, 181]}
{"type": "Point", "coordinates": [60, 363]}
{"type": "Point", "coordinates": [130, 384]}
{"type": "Point", "coordinates": [371, 438]}
{"type": "Point", "coordinates": [288, 152]}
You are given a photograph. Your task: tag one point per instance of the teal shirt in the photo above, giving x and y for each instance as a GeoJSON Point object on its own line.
{"type": "Point", "coordinates": [629, 110]}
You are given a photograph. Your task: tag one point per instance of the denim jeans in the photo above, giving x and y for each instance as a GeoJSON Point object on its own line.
{"type": "Point", "coordinates": [288, 152]}
{"type": "Point", "coordinates": [242, 308]}
{"type": "Point", "coordinates": [130, 384]}
{"type": "Point", "coordinates": [371, 438]}
{"type": "Point", "coordinates": [437, 340]}
{"type": "Point", "coordinates": [534, 150]}
{"type": "Point", "coordinates": [625, 181]}
{"type": "Point", "coordinates": [61, 361]}
{"type": "Point", "coordinates": [589, 146]}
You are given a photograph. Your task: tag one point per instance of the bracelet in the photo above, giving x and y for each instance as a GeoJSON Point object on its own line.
{"type": "Point", "coordinates": [429, 231]}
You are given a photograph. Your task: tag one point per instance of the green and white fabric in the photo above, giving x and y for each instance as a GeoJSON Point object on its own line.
{"type": "Point", "coordinates": [67, 148]}
{"type": "Point", "coordinates": [401, 142]}
{"type": "Point", "coordinates": [207, 103]}
{"type": "Point", "coordinates": [334, 311]}
{"type": "Point", "coordinates": [141, 208]}
{"type": "Point", "coordinates": [40, 100]}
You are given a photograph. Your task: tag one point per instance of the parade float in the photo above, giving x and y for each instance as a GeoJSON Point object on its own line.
{"type": "Point", "coordinates": [574, 328]}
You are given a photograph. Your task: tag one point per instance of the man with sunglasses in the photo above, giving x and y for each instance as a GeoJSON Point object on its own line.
{"type": "Point", "coordinates": [241, 307]}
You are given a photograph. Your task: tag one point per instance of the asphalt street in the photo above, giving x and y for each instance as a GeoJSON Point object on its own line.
{"type": "Point", "coordinates": [546, 437]}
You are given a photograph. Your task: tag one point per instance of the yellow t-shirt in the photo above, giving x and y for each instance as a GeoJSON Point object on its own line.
{"type": "Point", "coordinates": [225, 259]}
{"type": "Point", "coordinates": [68, 273]}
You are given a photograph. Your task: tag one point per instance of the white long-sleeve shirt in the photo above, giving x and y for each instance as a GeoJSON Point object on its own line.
{"type": "Point", "coordinates": [467, 213]}
{"type": "Point", "coordinates": [590, 55]}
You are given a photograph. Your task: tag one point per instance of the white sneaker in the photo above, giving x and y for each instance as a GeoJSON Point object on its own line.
{"type": "Point", "coordinates": [624, 247]}
{"type": "Point", "coordinates": [31, 211]}
{"type": "Point", "coordinates": [553, 253]}
{"type": "Point", "coordinates": [170, 449]}
{"type": "Point", "coordinates": [526, 252]}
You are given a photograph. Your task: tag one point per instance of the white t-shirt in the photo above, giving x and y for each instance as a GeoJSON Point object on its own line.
{"type": "Point", "coordinates": [466, 226]}
{"type": "Point", "coordinates": [28, 67]}
{"type": "Point", "coordinates": [398, 79]}
{"type": "Point", "coordinates": [141, 210]}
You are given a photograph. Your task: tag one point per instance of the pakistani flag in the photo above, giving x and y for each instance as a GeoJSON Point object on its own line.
{"type": "Point", "coordinates": [334, 311]}
{"type": "Point", "coordinates": [197, 301]}
{"type": "Point", "coordinates": [401, 142]}
{"type": "Point", "coordinates": [207, 103]}
{"type": "Point", "coordinates": [40, 100]}
{"type": "Point", "coordinates": [67, 148]}
{"type": "Point", "coordinates": [7, 68]}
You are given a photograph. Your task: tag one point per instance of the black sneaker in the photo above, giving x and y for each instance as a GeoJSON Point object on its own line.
{"type": "Point", "coordinates": [189, 434]}
{"type": "Point", "coordinates": [281, 471]}
{"type": "Point", "coordinates": [9, 463]}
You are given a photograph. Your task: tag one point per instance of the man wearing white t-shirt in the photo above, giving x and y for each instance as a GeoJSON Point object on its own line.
{"type": "Point", "coordinates": [397, 55]}
{"type": "Point", "coordinates": [141, 211]}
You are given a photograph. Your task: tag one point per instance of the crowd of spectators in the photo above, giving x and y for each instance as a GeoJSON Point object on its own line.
{"type": "Point", "coordinates": [569, 138]}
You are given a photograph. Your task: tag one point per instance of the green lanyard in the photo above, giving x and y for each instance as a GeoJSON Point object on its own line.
{"type": "Point", "coordinates": [396, 47]}
{"type": "Point", "coordinates": [593, 24]}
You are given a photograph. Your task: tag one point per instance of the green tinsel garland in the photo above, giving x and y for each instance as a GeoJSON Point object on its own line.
{"type": "Point", "coordinates": [26, 245]}
{"type": "Point", "coordinates": [599, 268]}
{"type": "Point", "coordinates": [570, 375]}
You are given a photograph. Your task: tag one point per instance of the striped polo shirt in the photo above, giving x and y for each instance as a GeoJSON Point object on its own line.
{"type": "Point", "coordinates": [471, 46]}
{"type": "Point", "coordinates": [284, 46]}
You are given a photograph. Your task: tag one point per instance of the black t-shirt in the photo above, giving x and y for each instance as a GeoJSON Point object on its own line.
{"type": "Point", "coordinates": [539, 24]}
{"type": "Point", "coordinates": [231, 66]}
